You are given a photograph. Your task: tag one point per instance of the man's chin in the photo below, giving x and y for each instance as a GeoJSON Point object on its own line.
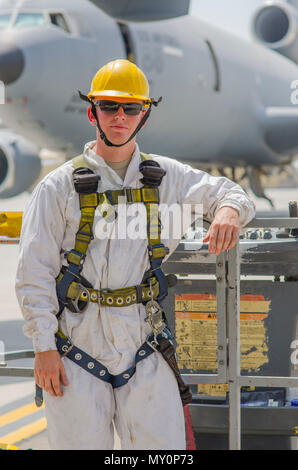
{"type": "Point", "coordinates": [117, 139]}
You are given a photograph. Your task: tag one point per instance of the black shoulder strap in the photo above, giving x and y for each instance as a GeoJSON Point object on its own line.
{"type": "Point", "coordinates": [151, 171]}
{"type": "Point", "coordinates": [85, 181]}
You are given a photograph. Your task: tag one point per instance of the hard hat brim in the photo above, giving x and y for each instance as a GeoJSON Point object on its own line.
{"type": "Point", "coordinates": [118, 94]}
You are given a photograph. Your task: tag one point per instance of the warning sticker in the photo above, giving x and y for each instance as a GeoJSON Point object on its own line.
{"type": "Point", "coordinates": [215, 390]}
{"type": "Point", "coordinates": [196, 331]}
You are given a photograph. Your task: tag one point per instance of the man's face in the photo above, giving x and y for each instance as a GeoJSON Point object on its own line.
{"type": "Point", "coordinates": [117, 127]}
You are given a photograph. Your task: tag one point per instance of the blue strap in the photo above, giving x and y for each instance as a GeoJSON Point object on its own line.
{"type": "Point", "coordinates": [71, 274]}
{"type": "Point", "coordinates": [94, 367]}
{"type": "Point", "coordinates": [160, 276]}
{"type": "Point", "coordinates": [88, 363]}
{"type": "Point", "coordinates": [65, 347]}
{"type": "Point", "coordinates": [62, 287]}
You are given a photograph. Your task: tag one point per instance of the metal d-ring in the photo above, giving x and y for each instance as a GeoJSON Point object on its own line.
{"type": "Point", "coordinates": [75, 302]}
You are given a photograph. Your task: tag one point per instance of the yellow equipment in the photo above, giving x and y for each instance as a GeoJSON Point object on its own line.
{"type": "Point", "coordinates": [10, 224]}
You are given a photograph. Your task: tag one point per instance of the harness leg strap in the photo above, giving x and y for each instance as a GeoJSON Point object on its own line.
{"type": "Point", "coordinates": [94, 367]}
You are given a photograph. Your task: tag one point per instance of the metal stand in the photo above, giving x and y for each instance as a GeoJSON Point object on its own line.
{"type": "Point", "coordinates": [233, 312]}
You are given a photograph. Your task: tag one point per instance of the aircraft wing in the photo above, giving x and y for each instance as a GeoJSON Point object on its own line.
{"type": "Point", "coordinates": [143, 10]}
{"type": "Point", "coordinates": [281, 128]}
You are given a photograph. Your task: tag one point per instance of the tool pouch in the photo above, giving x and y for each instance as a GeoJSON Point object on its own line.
{"type": "Point", "coordinates": [166, 348]}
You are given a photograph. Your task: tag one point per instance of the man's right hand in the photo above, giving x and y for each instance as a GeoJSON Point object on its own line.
{"type": "Point", "coordinates": [49, 372]}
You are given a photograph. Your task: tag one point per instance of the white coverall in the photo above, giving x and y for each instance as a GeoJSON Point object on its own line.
{"type": "Point", "coordinates": [147, 411]}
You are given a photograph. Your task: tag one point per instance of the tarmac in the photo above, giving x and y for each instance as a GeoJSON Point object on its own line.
{"type": "Point", "coordinates": [16, 394]}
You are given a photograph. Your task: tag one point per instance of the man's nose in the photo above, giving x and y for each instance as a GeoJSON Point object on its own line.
{"type": "Point", "coordinates": [120, 112]}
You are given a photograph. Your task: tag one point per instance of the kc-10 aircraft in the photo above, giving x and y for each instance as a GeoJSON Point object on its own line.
{"type": "Point", "coordinates": [226, 101]}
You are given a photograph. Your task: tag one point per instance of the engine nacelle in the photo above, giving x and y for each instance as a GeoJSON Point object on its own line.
{"type": "Point", "coordinates": [144, 10]}
{"type": "Point", "coordinates": [20, 164]}
{"type": "Point", "coordinates": [275, 25]}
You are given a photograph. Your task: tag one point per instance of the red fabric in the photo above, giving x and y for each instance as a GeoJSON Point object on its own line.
{"type": "Point", "coordinates": [190, 440]}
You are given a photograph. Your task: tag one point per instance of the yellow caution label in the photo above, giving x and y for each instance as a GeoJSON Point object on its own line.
{"type": "Point", "coordinates": [207, 303]}
{"type": "Point", "coordinates": [214, 390]}
{"type": "Point", "coordinates": [196, 334]}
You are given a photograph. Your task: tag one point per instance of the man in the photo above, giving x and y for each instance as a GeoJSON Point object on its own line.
{"type": "Point", "coordinates": [80, 407]}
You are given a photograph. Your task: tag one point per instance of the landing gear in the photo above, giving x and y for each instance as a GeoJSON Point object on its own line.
{"type": "Point", "coordinates": [254, 177]}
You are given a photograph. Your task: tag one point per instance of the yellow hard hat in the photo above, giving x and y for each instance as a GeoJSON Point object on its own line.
{"type": "Point", "coordinates": [120, 79]}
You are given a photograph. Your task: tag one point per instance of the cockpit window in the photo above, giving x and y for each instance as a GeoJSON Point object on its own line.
{"type": "Point", "coordinates": [25, 20]}
{"type": "Point", "coordinates": [5, 20]}
{"type": "Point", "coordinates": [58, 20]}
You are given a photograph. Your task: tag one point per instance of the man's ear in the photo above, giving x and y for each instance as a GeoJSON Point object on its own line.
{"type": "Point", "coordinates": [91, 117]}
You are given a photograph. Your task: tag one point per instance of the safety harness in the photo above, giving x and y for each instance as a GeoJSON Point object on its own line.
{"type": "Point", "coordinates": [75, 292]}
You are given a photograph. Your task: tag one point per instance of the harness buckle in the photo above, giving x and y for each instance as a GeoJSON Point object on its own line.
{"type": "Point", "coordinates": [75, 302]}
{"type": "Point", "coordinates": [66, 348]}
{"type": "Point", "coordinates": [153, 344]}
{"type": "Point", "coordinates": [129, 195]}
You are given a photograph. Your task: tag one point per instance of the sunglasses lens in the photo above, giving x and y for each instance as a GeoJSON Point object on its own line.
{"type": "Point", "coordinates": [112, 107]}
{"type": "Point", "coordinates": [132, 109]}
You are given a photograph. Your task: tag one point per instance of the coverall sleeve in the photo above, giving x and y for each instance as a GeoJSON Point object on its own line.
{"type": "Point", "coordinates": [39, 263]}
{"type": "Point", "coordinates": [198, 187]}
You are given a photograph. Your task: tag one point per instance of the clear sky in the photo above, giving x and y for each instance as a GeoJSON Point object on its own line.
{"type": "Point", "coordinates": [232, 15]}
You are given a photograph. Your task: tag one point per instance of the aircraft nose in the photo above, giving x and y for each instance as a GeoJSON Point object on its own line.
{"type": "Point", "coordinates": [11, 62]}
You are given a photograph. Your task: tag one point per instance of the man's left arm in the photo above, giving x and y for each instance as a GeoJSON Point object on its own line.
{"type": "Point", "coordinates": [225, 204]}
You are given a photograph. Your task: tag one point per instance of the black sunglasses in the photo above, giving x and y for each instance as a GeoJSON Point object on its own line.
{"type": "Point", "coordinates": [112, 107]}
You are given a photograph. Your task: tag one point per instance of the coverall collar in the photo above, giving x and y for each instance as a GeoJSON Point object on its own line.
{"type": "Point", "coordinates": [98, 163]}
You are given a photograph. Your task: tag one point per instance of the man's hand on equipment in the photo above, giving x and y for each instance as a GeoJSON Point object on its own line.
{"type": "Point", "coordinates": [49, 371]}
{"type": "Point", "coordinates": [223, 233]}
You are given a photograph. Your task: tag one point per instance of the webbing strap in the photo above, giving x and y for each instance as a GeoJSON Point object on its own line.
{"type": "Point", "coordinates": [88, 204]}
{"type": "Point", "coordinates": [84, 360]}
{"type": "Point", "coordinates": [79, 162]}
{"type": "Point", "coordinates": [132, 195]}
{"type": "Point", "coordinates": [69, 276]}
{"type": "Point", "coordinates": [113, 298]}
{"type": "Point", "coordinates": [157, 250]}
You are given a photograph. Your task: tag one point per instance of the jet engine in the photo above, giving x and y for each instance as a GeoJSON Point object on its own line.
{"type": "Point", "coordinates": [275, 25]}
{"type": "Point", "coordinates": [20, 164]}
